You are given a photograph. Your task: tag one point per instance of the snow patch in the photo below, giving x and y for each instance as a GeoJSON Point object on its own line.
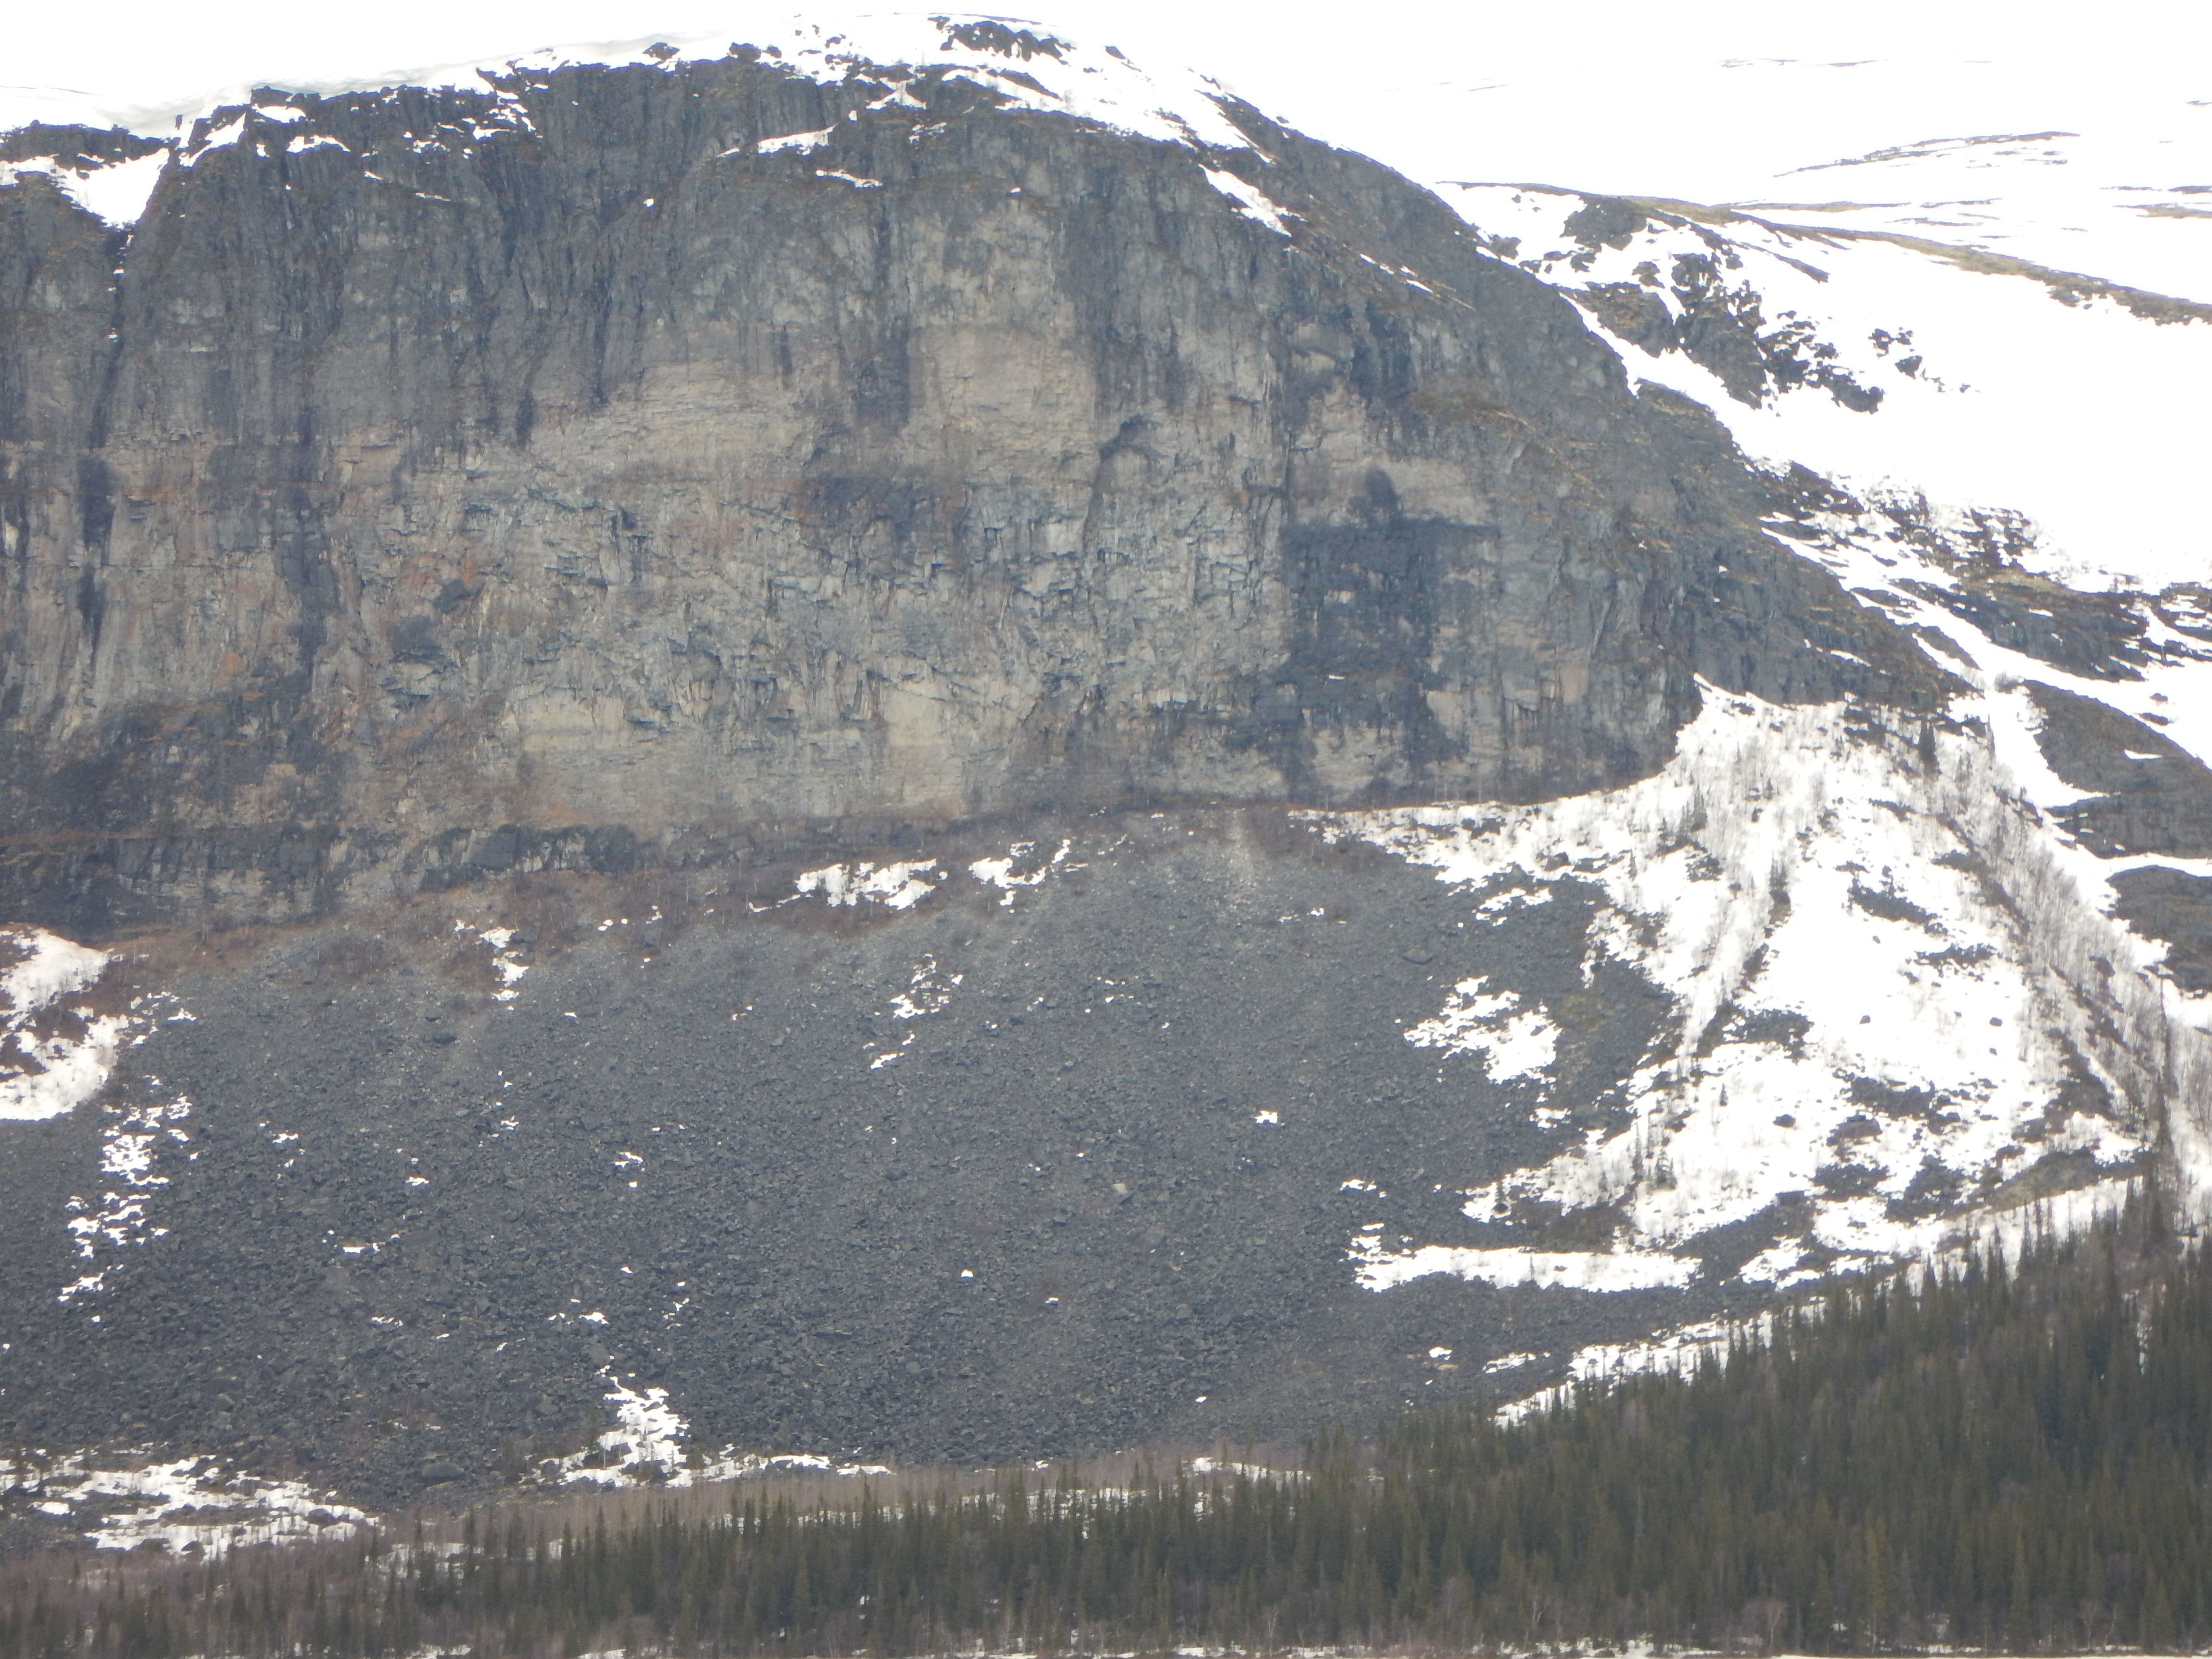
{"type": "Point", "coordinates": [1580, 1270]}
{"type": "Point", "coordinates": [1002, 874]}
{"type": "Point", "coordinates": [1248, 200]}
{"type": "Point", "coordinates": [116, 192]}
{"type": "Point", "coordinates": [802, 143]}
{"type": "Point", "coordinates": [928, 991]}
{"type": "Point", "coordinates": [894, 886]}
{"type": "Point", "coordinates": [1516, 1041]}
{"type": "Point", "coordinates": [130, 1145]}
{"type": "Point", "coordinates": [199, 1505]}
{"type": "Point", "coordinates": [506, 960]}
{"type": "Point", "coordinates": [651, 1441]}
{"type": "Point", "coordinates": [54, 1053]}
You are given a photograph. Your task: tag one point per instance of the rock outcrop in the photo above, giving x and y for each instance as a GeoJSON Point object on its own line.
{"type": "Point", "coordinates": [619, 464]}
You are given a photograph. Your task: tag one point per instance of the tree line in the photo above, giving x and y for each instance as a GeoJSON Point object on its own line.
{"type": "Point", "coordinates": [1982, 1455]}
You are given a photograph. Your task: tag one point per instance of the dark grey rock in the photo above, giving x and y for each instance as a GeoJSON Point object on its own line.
{"type": "Point", "coordinates": [2152, 795]}
{"type": "Point", "coordinates": [1136, 1238]}
{"type": "Point", "coordinates": [2174, 906]}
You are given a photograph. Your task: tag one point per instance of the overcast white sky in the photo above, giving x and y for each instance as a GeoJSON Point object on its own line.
{"type": "Point", "coordinates": [1708, 102]}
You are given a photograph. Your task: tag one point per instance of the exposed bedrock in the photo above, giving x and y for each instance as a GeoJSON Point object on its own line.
{"type": "Point", "coordinates": [438, 483]}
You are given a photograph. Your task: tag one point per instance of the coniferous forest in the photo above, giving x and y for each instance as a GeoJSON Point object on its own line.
{"type": "Point", "coordinates": [2009, 1459]}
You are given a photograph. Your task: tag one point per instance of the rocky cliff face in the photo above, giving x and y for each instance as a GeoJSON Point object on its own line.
{"type": "Point", "coordinates": [623, 465]}
{"type": "Point", "coordinates": [901, 549]}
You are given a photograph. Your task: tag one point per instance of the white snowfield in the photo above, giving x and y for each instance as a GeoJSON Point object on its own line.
{"type": "Point", "coordinates": [1887, 983]}
{"type": "Point", "coordinates": [1578, 1270]}
{"type": "Point", "coordinates": [116, 192]}
{"type": "Point", "coordinates": [1995, 394]}
{"type": "Point", "coordinates": [2122, 199]}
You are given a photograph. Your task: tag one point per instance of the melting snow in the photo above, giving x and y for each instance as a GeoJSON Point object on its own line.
{"type": "Point", "coordinates": [1519, 1043]}
{"type": "Point", "coordinates": [196, 1504]}
{"type": "Point", "coordinates": [895, 886]}
{"type": "Point", "coordinates": [129, 1146]}
{"type": "Point", "coordinates": [1881, 978]}
{"type": "Point", "coordinates": [804, 143]}
{"type": "Point", "coordinates": [115, 191]}
{"type": "Point", "coordinates": [650, 1440]}
{"type": "Point", "coordinates": [1000, 873]}
{"type": "Point", "coordinates": [1675, 1350]}
{"type": "Point", "coordinates": [928, 991]}
{"type": "Point", "coordinates": [1250, 201]}
{"type": "Point", "coordinates": [53, 1055]}
{"type": "Point", "coordinates": [1580, 1270]}
{"type": "Point", "coordinates": [506, 961]}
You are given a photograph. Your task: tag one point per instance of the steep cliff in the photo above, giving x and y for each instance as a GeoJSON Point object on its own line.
{"type": "Point", "coordinates": [623, 465]}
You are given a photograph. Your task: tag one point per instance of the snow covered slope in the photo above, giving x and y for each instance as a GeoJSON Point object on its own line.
{"type": "Point", "coordinates": [57, 1045]}
{"type": "Point", "coordinates": [1992, 446]}
{"type": "Point", "coordinates": [1921, 977]}
{"type": "Point", "coordinates": [1896, 1012]}
{"type": "Point", "coordinates": [1902, 361]}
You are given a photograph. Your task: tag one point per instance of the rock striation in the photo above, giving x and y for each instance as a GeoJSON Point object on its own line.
{"type": "Point", "coordinates": [621, 464]}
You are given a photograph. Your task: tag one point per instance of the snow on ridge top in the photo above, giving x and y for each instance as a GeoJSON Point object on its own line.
{"type": "Point", "coordinates": [1910, 366]}
{"type": "Point", "coordinates": [1021, 64]}
{"type": "Point", "coordinates": [1027, 64]}
{"type": "Point", "coordinates": [1029, 67]}
{"type": "Point", "coordinates": [116, 191]}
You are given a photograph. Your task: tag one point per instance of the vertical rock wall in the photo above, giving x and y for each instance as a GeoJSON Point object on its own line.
{"type": "Point", "coordinates": [435, 483]}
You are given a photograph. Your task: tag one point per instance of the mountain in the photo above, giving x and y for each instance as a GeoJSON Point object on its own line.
{"type": "Point", "coordinates": [615, 460]}
{"type": "Point", "coordinates": [902, 745]}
